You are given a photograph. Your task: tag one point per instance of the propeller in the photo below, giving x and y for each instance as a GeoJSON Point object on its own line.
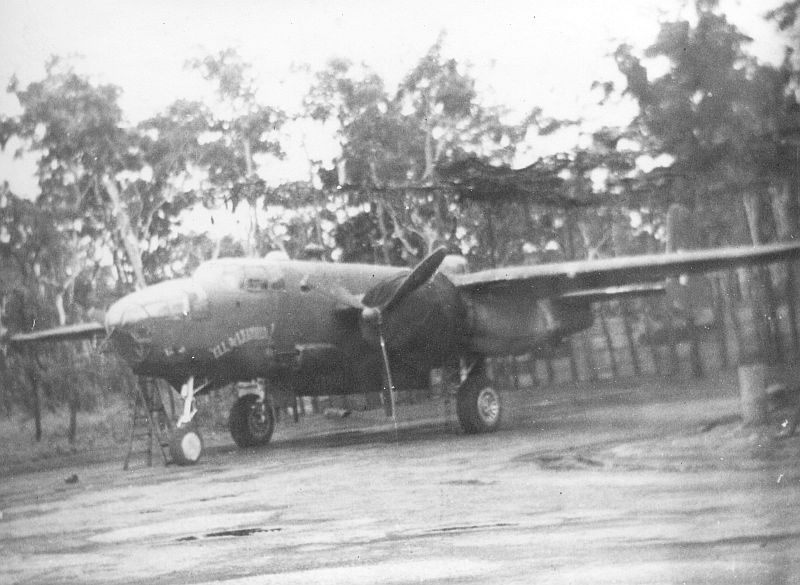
{"type": "Point", "coordinates": [421, 274]}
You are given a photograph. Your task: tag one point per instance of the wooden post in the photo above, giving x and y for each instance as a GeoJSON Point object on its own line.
{"type": "Point", "coordinates": [753, 393]}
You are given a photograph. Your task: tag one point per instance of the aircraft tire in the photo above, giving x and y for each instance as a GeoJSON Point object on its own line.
{"type": "Point", "coordinates": [186, 446]}
{"type": "Point", "coordinates": [478, 406]}
{"type": "Point", "coordinates": [251, 421]}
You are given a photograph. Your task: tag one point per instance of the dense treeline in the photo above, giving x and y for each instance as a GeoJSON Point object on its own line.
{"type": "Point", "coordinates": [423, 164]}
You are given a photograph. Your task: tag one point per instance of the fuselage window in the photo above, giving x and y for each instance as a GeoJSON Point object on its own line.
{"type": "Point", "coordinates": [256, 284]}
{"type": "Point", "coordinates": [256, 279]}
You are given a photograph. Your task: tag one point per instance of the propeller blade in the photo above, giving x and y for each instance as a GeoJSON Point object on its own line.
{"type": "Point", "coordinates": [420, 275]}
{"type": "Point", "coordinates": [387, 371]}
{"type": "Point", "coordinates": [373, 313]}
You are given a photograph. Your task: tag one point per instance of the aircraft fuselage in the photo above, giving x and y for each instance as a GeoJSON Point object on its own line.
{"type": "Point", "coordinates": [290, 322]}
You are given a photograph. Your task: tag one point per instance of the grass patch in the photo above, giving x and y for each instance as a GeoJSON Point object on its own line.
{"type": "Point", "coordinates": [102, 431]}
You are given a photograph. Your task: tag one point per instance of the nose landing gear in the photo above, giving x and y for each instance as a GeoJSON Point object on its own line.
{"type": "Point", "coordinates": [186, 444]}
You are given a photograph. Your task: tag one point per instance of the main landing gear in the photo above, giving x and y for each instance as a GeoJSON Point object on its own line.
{"type": "Point", "coordinates": [251, 421]}
{"type": "Point", "coordinates": [477, 402]}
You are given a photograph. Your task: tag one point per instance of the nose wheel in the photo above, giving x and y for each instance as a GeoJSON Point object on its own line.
{"type": "Point", "coordinates": [186, 446]}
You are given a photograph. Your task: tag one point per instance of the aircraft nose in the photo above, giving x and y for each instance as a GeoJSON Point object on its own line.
{"type": "Point", "coordinates": [170, 300]}
{"type": "Point", "coordinates": [125, 311]}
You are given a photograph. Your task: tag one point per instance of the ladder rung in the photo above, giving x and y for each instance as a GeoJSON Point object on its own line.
{"type": "Point", "coordinates": [149, 419]}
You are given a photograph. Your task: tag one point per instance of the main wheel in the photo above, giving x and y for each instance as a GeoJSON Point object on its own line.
{"type": "Point", "coordinates": [186, 446]}
{"type": "Point", "coordinates": [478, 406]}
{"type": "Point", "coordinates": [251, 421]}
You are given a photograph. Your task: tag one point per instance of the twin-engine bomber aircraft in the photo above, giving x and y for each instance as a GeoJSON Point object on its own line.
{"type": "Point", "coordinates": [326, 329]}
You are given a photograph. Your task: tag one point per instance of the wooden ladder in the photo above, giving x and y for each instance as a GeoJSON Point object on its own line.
{"type": "Point", "coordinates": [150, 421]}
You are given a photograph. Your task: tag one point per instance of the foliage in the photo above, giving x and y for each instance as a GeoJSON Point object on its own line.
{"type": "Point", "coordinates": [716, 111]}
{"type": "Point", "coordinates": [235, 138]}
{"type": "Point", "coordinates": [422, 164]}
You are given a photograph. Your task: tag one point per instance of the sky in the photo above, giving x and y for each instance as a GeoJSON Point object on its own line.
{"type": "Point", "coordinates": [525, 54]}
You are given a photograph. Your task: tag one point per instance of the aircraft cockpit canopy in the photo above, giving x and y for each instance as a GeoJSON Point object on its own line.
{"type": "Point", "coordinates": [238, 275]}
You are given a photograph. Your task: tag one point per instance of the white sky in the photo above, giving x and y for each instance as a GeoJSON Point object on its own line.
{"type": "Point", "coordinates": [543, 53]}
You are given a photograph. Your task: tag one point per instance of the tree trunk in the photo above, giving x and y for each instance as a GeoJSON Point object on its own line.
{"type": "Point", "coordinates": [385, 242]}
{"type": "Point", "coordinates": [729, 306]}
{"type": "Point", "coordinates": [573, 361]}
{"type": "Point", "coordinates": [551, 373]}
{"type": "Point", "coordinates": [626, 321]}
{"type": "Point", "coordinates": [695, 357]}
{"type": "Point", "coordinates": [429, 154]}
{"type": "Point", "coordinates": [126, 233]}
{"type": "Point", "coordinates": [74, 405]}
{"type": "Point", "coordinates": [588, 353]}
{"type": "Point", "coordinates": [532, 370]}
{"type": "Point", "coordinates": [655, 352]}
{"type": "Point", "coordinates": [786, 226]}
{"type": "Point", "coordinates": [759, 304]}
{"type": "Point", "coordinates": [612, 359]}
{"type": "Point", "coordinates": [253, 232]}
{"type": "Point", "coordinates": [492, 244]}
{"type": "Point", "coordinates": [37, 409]}
{"type": "Point", "coordinates": [719, 321]}
{"type": "Point", "coordinates": [36, 398]}
{"type": "Point", "coordinates": [752, 209]}
{"type": "Point", "coordinates": [753, 394]}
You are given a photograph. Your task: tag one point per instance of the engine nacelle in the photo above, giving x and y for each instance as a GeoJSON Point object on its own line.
{"type": "Point", "coordinates": [427, 326]}
{"type": "Point", "coordinates": [503, 324]}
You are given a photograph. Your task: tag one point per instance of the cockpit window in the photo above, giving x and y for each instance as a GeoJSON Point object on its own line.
{"type": "Point", "coordinates": [167, 307]}
{"type": "Point", "coordinates": [240, 276]}
{"type": "Point", "coordinates": [227, 275]}
{"type": "Point", "coordinates": [256, 278]}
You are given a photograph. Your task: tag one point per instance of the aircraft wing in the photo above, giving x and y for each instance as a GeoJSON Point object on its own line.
{"type": "Point", "coordinates": [64, 333]}
{"type": "Point", "coordinates": [590, 279]}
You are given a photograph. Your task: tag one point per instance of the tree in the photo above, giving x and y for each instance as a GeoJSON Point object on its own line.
{"type": "Point", "coordinates": [723, 118]}
{"type": "Point", "coordinates": [391, 144]}
{"type": "Point", "coordinates": [75, 130]}
{"type": "Point", "coordinates": [718, 113]}
{"type": "Point", "coordinates": [239, 133]}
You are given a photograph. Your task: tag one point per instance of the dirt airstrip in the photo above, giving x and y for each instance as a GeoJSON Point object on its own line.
{"type": "Point", "coordinates": [637, 482]}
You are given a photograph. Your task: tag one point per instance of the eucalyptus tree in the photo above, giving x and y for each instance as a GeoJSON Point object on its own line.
{"type": "Point", "coordinates": [75, 130]}
{"type": "Point", "coordinates": [723, 118]}
{"type": "Point", "coordinates": [719, 114]}
{"type": "Point", "coordinates": [392, 142]}
{"type": "Point", "coordinates": [240, 133]}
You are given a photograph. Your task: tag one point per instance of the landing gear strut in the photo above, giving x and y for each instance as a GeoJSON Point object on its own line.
{"type": "Point", "coordinates": [186, 444]}
{"type": "Point", "coordinates": [478, 403]}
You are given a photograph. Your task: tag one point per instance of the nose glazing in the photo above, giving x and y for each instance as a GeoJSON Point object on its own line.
{"type": "Point", "coordinates": [165, 300]}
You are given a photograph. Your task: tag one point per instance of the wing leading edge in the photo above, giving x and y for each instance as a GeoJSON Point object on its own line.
{"type": "Point", "coordinates": [591, 276]}
{"type": "Point", "coordinates": [65, 333]}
